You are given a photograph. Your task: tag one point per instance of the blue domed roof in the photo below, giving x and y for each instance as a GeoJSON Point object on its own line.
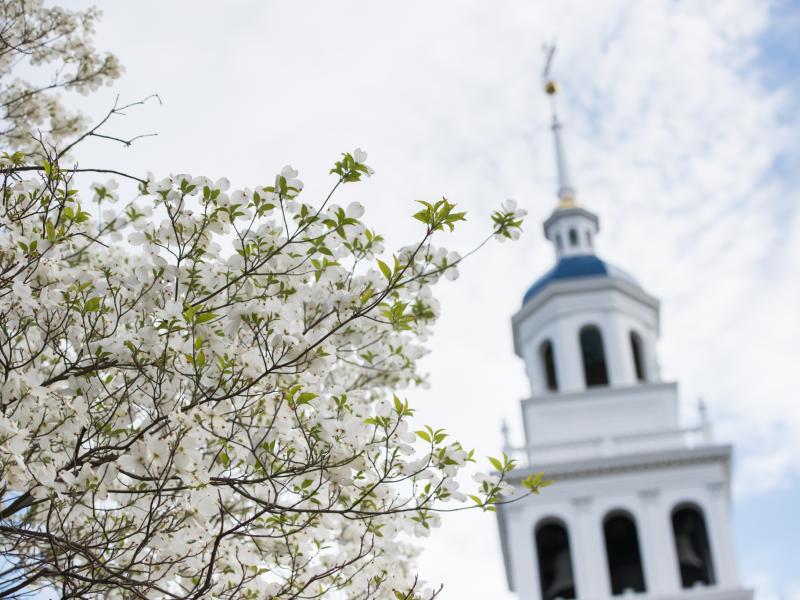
{"type": "Point", "coordinates": [573, 267]}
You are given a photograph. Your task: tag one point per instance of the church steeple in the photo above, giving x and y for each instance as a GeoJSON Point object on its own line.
{"type": "Point", "coordinates": [571, 228]}
{"type": "Point", "coordinates": [642, 503]}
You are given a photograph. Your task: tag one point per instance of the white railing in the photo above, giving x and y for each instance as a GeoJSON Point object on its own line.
{"type": "Point", "coordinates": [612, 445]}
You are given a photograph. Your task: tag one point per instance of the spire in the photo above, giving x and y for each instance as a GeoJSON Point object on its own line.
{"type": "Point", "coordinates": [705, 424]}
{"type": "Point", "coordinates": [506, 439]}
{"type": "Point", "coordinates": [570, 227]}
{"type": "Point", "coordinates": [566, 191]}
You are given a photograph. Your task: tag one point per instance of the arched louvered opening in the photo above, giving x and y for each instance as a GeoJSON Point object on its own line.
{"type": "Point", "coordinates": [555, 561]}
{"type": "Point", "coordinates": [622, 552]}
{"type": "Point", "coordinates": [637, 350]}
{"type": "Point", "coordinates": [549, 365]}
{"type": "Point", "coordinates": [573, 237]}
{"type": "Point", "coordinates": [691, 544]}
{"type": "Point", "coordinates": [594, 356]}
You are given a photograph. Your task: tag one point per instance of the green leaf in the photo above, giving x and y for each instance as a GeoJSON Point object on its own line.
{"type": "Point", "coordinates": [496, 463]}
{"type": "Point", "coordinates": [305, 398]}
{"type": "Point", "coordinates": [82, 216]}
{"type": "Point", "coordinates": [423, 435]}
{"type": "Point", "coordinates": [92, 304]}
{"type": "Point", "coordinates": [367, 294]}
{"type": "Point", "coordinates": [535, 481]}
{"type": "Point", "coordinates": [205, 317]}
{"type": "Point", "coordinates": [387, 272]}
{"type": "Point", "coordinates": [423, 216]}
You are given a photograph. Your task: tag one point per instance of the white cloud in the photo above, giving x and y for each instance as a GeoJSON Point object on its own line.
{"type": "Point", "coordinates": [670, 135]}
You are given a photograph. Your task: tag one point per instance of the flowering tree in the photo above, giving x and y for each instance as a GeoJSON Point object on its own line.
{"type": "Point", "coordinates": [47, 36]}
{"type": "Point", "coordinates": [199, 390]}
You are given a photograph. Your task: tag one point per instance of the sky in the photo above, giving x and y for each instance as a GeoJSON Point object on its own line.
{"type": "Point", "coordinates": [682, 131]}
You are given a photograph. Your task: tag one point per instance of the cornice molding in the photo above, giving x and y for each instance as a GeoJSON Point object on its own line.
{"type": "Point", "coordinates": [649, 461]}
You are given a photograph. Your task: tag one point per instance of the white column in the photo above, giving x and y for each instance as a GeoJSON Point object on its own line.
{"type": "Point", "coordinates": [569, 363]}
{"type": "Point", "coordinates": [533, 367]}
{"type": "Point", "coordinates": [588, 551]}
{"type": "Point", "coordinates": [522, 550]}
{"type": "Point", "coordinates": [718, 525]}
{"type": "Point", "coordinates": [655, 533]}
{"type": "Point", "coordinates": [618, 354]}
{"type": "Point", "coordinates": [652, 366]}
{"type": "Point", "coordinates": [581, 564]}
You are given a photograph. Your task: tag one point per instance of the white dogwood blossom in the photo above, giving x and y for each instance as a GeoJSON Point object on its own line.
{"type": "Point", "coordinates": [201, 386]}
{"type": "Point", "coordinates": [39, 37]}
{"type": "Point", "coordinates": [508, 221]}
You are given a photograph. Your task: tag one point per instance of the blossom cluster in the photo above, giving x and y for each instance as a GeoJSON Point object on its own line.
{"type": "Point", "coordinates": [57, 45]}
{"type": "Point", "coordinates": [199, 392]}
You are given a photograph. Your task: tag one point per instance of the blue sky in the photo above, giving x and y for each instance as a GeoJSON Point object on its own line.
{"type": "Point", "coordinates": [766, 530]}
{"type": "Point", "coordinates": [682, 129]}
{"type": "Point", "coordinates": [767, 526]}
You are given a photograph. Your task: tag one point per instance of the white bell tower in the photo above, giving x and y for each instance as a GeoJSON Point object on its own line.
{"type": "Point", "coordinates": [641, 505]}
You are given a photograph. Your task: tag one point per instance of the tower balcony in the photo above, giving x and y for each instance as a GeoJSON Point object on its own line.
{"type": "Point", "coordinates": [612, 445]}
{"type": "Point", "coordinates": [605, 422]}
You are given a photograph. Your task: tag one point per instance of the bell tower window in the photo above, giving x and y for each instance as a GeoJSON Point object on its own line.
{"type": "Point", "coordinates": [573, 237]}
{"type": "Point", "coordinates": [555, 562]}
{"type": "Point", "coordinates": [637, 350]}
{"type": "Point", "coordinates": [691, 543]}
{"type": "Point", "coordinates": [622, 552]}
{"type": "Point", "coordinates": [549, 365]}
{"type": "Point", "coordinates": [594, 359]}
